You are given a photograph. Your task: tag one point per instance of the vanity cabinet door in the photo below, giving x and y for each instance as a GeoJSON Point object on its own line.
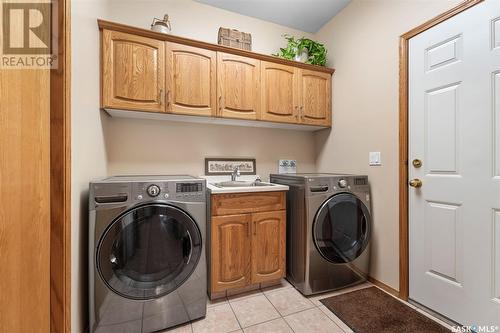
{"type": "Point", "coordinates": [315, 98]}
{"type": "Point", "coordinates": [268, 246]}
{"type": "Point", "coordinates": [133, 72]}
{"type": "Point", "coordinates": [280, 95]}
{"type": "Point", "coordinates": [230, 252]}
{"type": "Point", "coordinates": [238, 86]}
{"type": "Point", "coordinates": [191, 80]}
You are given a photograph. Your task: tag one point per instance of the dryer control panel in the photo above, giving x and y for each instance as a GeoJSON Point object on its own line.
{"type": "Point", "coordinates": [341, 183]}
{"type": "Point", "coordinates": [350, 183]}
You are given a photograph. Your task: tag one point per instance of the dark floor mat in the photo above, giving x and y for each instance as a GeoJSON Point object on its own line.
{"type": "Point", "coordinates": [372, 310]}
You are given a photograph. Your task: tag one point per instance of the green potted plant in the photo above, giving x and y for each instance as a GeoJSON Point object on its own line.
{"type": "Point", "coordinates": [304, 50]}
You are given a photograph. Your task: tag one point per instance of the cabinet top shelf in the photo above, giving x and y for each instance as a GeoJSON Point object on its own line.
{"type": "Point", "coordinates": [214, 47]}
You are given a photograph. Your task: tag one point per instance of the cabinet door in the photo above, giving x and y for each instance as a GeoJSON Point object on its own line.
{"type": "Point", "coordinates": [279, 84]}
{"type": "Point", "coordinates": [268, 246]}
{"type": "Point", "coordinates": [238, 86]}
{"type": "Point", "coordinates": [191, 81]}
{"type": "Point", "coordinates": [315, 98]}
{"type": "Point", "coordinates": [133, 72]}
{"type": "Point", "coordinates": [230, 252]}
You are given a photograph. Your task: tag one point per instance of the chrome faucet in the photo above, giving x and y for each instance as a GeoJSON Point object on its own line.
{"type": "Point", "coordinates": [235, 174]}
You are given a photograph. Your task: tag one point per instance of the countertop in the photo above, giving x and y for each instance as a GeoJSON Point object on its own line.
{"type": "Point", "coordinates": [247, 189]}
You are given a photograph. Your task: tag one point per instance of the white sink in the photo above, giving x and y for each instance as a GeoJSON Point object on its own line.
{"type": "Point", "coordinates": [241, 183]}
{"type": "Point", "coordinates": [224, 184]}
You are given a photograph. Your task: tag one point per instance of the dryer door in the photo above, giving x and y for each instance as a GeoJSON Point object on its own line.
{"type": "Point", "coordinates": [149, 251]}
{"type": "Point", "coordinates": [341, 229]}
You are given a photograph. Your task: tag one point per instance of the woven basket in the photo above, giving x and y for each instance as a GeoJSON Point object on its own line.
{"type": "Point", "coordinates": [235, 38]}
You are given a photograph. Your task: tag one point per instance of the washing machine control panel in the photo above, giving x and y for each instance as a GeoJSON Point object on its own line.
{"type": "Point", "coordinates": [125, 193]}
{"type": "Point", "coordinates": [188, 191]}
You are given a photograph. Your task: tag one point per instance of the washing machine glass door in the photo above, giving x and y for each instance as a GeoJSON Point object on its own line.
{"type": "Point", "coordinates": [341, 229]}
{"type": "Point", "coordinates": [149, 251]}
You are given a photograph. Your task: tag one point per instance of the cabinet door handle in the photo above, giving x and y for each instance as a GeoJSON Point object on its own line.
{"type": "Point", "coordinates": [161, 97]}
{"type": "Point", "coordinates": [168, 98]}
{"type": "Point", "coordinates": [220, 105]}
{"type": "Point", "coordinates": [296, 112]}
{"type": "Point", "coordinates": [255, 228]}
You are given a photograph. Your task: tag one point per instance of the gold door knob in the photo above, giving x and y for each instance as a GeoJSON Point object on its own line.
{"type": "Point", "coordinates": [416, 183]}
{"type": "Point", "coordinates": [417, 163]}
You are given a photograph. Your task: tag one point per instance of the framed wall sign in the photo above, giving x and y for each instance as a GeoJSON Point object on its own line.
{"type": "Point", "coordinates": [225, 166]}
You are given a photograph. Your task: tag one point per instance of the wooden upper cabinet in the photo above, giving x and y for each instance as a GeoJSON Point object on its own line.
{"type": "Point", "coordinates": [230, 255]}
{"type": "Point", "coordinates": [279, 86]}
{"type": "Point", "coordinates": [238, 86]}
{"type": "Point", "coordinates": [133, 72]}
{"type": "Point", "coordinates": [147, 71]}
{"type": "Point", "coordinates": [191, 80]}
{"type": "Point", "coordinates": [315, 98]}
{"type": "Point", "coordinates": [268, 246]}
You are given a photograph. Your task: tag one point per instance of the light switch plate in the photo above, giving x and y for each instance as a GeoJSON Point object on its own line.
{"type": "Point", "coordinates": [287, 166]}
{"type": "Point", "coordinates": [375, 158]}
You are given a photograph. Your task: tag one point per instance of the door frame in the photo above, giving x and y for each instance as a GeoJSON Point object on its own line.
{"type": "Point", "coordinates": [60, 177]}
{"type": "Point", "coordinates": [404, 283]}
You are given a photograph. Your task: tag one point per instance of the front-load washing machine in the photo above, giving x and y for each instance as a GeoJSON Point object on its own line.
{"type": "Point", "coordinates": [147, 265]}
{"type": "Point", "coordinates": [328, 230]}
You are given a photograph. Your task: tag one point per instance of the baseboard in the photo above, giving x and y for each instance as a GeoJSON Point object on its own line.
{"type": "Point", "coordinates": [384, 287]}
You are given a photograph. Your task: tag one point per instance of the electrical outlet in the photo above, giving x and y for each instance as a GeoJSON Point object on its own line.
{"type": "Point", "coordinates": [375, 158]}
{"type": "Point", "coordinates": [287, 166]}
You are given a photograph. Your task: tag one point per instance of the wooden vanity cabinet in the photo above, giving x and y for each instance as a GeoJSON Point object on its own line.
{"type": "Point", "coordinates": [230, 258]}
{"type": "Point", "coordinates": [133, 72]}
{"type": "Point", "coordinates": [247, 240]}
{"type": "Point", "coordinates": [268, 246]}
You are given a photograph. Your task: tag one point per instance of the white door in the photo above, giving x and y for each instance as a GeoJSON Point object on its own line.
{"type": "Point", "coordinates": [454, 86]}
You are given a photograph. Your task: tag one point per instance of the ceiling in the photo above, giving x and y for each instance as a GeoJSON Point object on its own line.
{"type": "Point", "coordinates": [305, 15]}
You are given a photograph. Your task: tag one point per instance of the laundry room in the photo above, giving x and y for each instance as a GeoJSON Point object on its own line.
{"type": "Point", "coordinates": [252, 166]}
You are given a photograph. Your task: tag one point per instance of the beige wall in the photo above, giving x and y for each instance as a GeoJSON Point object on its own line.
{"type": "Point", "coordinates": [363, 47]}
{"type": "Point", "coordinates": [88, 148]}
{"type": "Point", "coordinates": [144, 146]}
{"type": "Point", "coordinates": [199, 21]}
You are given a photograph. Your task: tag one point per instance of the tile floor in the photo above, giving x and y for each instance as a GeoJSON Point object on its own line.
{"type": "Point", "coordinates": [277, 309]}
